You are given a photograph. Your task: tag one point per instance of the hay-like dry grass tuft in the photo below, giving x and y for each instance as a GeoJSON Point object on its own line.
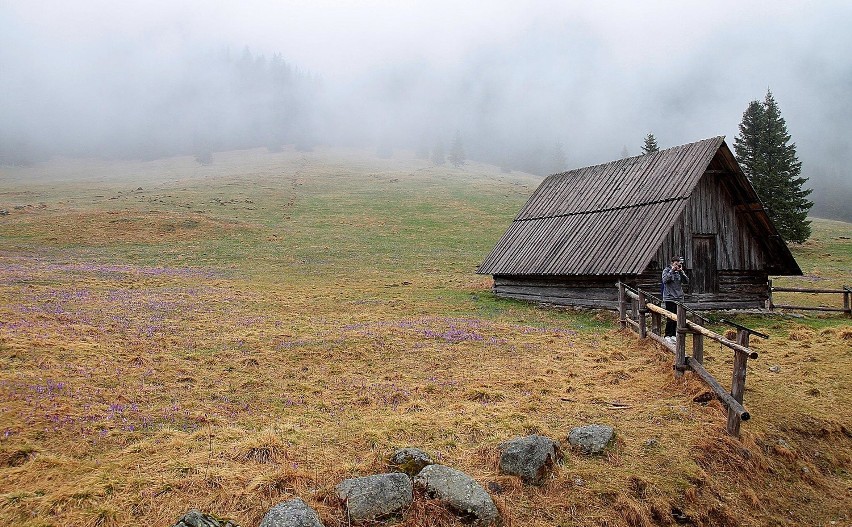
{"type": "Point", "coordinates": [309, 313]}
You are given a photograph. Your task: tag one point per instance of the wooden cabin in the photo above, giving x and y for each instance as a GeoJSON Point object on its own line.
{"type": "Point", "coordinates": [584, 230]}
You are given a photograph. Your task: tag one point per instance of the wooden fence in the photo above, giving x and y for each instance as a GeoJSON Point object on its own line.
{"type": "Point", "coordinates": [637, 320]}
{"type": "Point", "coordinates": [845, 291]}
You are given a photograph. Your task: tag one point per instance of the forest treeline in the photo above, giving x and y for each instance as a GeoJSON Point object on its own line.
{"type": "Point", "coordinates": [198, 104]}
{"type": "Point", "coordinates": [209, 103]}
{"type": "Point", "coordinates": [228, 101]}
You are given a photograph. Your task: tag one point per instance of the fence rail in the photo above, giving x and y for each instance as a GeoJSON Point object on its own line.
{"type": "Point", "coordinates": [637, 320]}
{"type": "Point", "coordinates": [845, 291]}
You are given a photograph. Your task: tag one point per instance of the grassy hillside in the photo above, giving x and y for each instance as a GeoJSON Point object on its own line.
{"type": "Point", "coordinates": [226, 337]}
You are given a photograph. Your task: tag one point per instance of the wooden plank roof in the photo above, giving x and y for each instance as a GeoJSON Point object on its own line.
{"type": "Point", "coordinates": [608, 219]}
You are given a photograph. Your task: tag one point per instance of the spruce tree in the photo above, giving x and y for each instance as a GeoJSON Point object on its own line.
{"type": "Point", "coordinates": [650, 145]}
{"type": "Point", "coordinates": [747, 144]}
{"type": "Point", "coordinates": [770, 162]}
{"type": "Point", "coordinates": [457, 157]}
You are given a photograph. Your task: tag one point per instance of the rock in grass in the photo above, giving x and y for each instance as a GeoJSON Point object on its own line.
{"type": "Point", "coordinates": [372, 497]}
{"type": "Point", "coordinates": [410, 460]}
{"type": "Point", "coordinates": [531, 458]}
{"type": "Point", "coordinates": [291, 513]}
{"type": "Point", "coordinates": [591, 439]}
{"type": "Point", "coordinates": [196, 518]}
{"type": "Point", "coordinates": [461, 492]}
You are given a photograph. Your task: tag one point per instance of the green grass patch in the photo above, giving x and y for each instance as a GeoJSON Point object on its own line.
{"type": "Point", "coordinates": [241, 333]}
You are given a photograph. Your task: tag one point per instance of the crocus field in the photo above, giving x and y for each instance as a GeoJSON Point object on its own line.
{"type": "Point", "coordinates": [225, 337]}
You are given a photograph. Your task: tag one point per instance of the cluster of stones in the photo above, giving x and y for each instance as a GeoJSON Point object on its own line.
{"type": "Point", "coordinates": [373, 498]}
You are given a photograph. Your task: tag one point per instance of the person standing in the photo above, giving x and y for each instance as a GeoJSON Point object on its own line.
{"type": "Point", "coordinates": [673, 280]}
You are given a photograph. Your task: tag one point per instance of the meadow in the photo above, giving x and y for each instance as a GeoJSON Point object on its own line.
{"type": "Point", "coordinates": [228, 336]}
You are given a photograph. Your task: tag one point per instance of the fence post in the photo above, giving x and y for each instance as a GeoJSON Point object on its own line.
{"type": "Point", "coordinates": [738, 382]}
{"type": "Point", "coordinates": [698, 347]}
{"type": "Point", "coordinates": [622, 305]}
{"type": "Point", "coordinates": [680, 348]}
{"type": "Point", "coordinates": [655, 322]}
{"type": "Point", "coordinates": [847, 300]}
{"type": "Point", "coordinates": [643, 331]}
{"type": "Point", "coordinates": [769, 297]}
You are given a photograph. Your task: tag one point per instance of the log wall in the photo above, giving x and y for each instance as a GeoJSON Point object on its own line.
{"type": "Point", "coordinates": [594, 292]}
{"type": "Point", "coordinates": [711, 209]}
{"type": "Point", "coordinates": [737, 290]}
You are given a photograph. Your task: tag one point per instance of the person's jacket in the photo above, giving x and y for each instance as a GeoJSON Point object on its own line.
{"type": "Point", "coordinates": [672, 284]}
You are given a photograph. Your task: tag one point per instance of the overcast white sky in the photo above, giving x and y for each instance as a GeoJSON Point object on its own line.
{"type": "Point", "coordinates": [339, 36]}
{"type": "Point", "coordinates": [599, 74]}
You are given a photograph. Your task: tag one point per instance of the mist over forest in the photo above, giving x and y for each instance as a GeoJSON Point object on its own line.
{"type": "Point", "coordinates": [540, 89]}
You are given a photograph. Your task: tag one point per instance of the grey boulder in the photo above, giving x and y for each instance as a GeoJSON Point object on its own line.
{"type": "Point", "coordinates": [196, 518]}
{"type": "Point", "coordinates": [461, 492]}
{"type": "Point", "coordinates": [291, 513]}
{"type": "Point", "coordinates": [410, 460]}
{"type": "Point", "coordinates": [532, 458]}
{"type": "Point", "coordinates": [591, 439]}
{"type": "Point", "coordinates": [372, 497]}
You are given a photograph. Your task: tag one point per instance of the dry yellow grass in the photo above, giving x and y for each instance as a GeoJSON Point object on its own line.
{"type": "Point", "coordinates": [263, 354]}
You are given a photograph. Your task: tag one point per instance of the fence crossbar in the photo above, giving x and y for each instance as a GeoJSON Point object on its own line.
{"type": "Point", "coordinates": [636, 320]}
{"type": "Point", "coordinates": [844, 290]}
{"type": "Point", "coordinates": [634, 294]}
{"type": "Point", "coordinates": [732, 404]}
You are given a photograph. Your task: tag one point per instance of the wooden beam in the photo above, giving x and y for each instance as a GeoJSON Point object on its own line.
{"type": "Point", "coordinates": [805, 290]}
{"type": "Point", "coordinates": [680, 348]}
{"type": "Point", "coordinates": [661, 311]}
{"type": "Point", "coordinates": [698, 347]}
{"type": "Point", "coordinates": [738, 382]}
{"type": "Point", "coordinates": [720, 392]}
{"type": "Point", "coordinates": [740, 326]}
{"type": "Point", "coordinates": [662, 340]}
{"type": "Point", "coordinates": [719, 338]}
{"type": "Point", "coordinates": [634, 309]}
{"type": "Point", "coordinates": [809, 308]}
{"type": "Point", "coordinates": [655, 322]}
{"type": "Point", "coordinates": [769, 305]}
{"type": "Point", "coordinates": [703, 331]}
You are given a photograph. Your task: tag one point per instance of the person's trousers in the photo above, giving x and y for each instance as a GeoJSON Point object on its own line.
{"type": "Point", "coordinates": [671, 325]}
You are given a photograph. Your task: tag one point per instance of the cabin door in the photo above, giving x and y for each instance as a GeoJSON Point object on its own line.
{"type": "Point", "coordinates": [703, 279]}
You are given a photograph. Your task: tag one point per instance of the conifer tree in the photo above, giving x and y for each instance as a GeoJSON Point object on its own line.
{"type": "Point", "coordinates": [747, 144]}
{"type": "Point", "coordinates": [457, 157]}
{"type": "Point", "coordinates": [650, 145]}
{"type": "Point", "coordinates": [770, 162]}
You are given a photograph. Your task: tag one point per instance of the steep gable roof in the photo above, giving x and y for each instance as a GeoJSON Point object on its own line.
{"type": "Point", "coordinates": [610, 219]}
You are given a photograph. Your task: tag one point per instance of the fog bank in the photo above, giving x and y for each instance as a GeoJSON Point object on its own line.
{"type": "Point", "coordinates": [518, 81]}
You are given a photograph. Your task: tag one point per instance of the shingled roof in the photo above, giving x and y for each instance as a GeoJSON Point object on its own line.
{"type": "Point", "coordinates": [610, 219]}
